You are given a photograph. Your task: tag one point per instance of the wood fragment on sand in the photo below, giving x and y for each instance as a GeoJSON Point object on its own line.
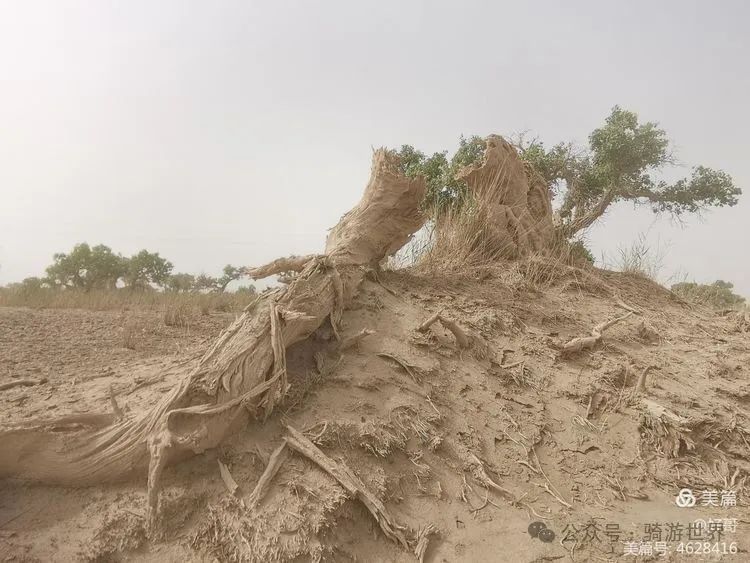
{"type": "Point", "coordinates": [274, 463]}
{"type": "Point", "coordinates": [585, 342]}
{"type": "Point", "coordinates": [22, 383]}
{"type": "Point", "coordinates": [226, 476]}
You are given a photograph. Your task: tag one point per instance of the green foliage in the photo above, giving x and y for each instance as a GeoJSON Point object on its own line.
{"type": "Point", "coordinates": [579, 251]}
{"type": "Point", "coordinates": [444, 189]}
{"type": "Point", "coordinates": [146, 268]}
{"type": "Point", "coordinates": [86, 268]}
{"type": "Point", "coordinates": [204, 282]}
{"type": "Point", "coordinates": [718, 294]}
{"type": "Point", "coordinates": [619, 164]}
{"type": "Point", "coordinates": [229, 274]}
{"type": "Point", "coordinates": [181, 283]}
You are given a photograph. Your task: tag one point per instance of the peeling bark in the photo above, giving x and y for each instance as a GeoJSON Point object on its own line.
{"type": "Point", "coordinates": [513, 204]}
{"type": "Point", "coordinates": [243, 375]}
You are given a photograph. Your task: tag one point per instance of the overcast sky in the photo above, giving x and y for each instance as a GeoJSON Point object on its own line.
{"type": "Point", "coordinates": [237, 132]}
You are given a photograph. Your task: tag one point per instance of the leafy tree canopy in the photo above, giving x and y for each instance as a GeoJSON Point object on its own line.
{"type": "Point", "coordinates": [444, 190]}
{"type": "Point", "coordinates": [180, 282]}
{"type": "Point", "coordinates": [86, 268]}
{"type": "Point", "coordinates": [146, 268]}
{"type": "Point", "coordinates": [621, 163]}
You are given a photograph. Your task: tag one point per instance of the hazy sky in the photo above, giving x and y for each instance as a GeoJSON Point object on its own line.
{"type": "Point", "coordinates": [237, 132]}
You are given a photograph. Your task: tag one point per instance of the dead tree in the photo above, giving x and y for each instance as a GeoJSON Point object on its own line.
{"type": "Point", "coordinates": [243, 375]}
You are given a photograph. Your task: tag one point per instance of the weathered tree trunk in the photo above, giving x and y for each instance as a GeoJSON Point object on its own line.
{"type": "Point", "coordinates": [243, 374]}
{"type": "Point", "coordinates": [513, 202]}
{"type": "Point", "coordinates": [508, 214]}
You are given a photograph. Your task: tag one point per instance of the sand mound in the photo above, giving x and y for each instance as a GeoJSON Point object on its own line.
{"type": "Point", "coordinates": [475, 441]}
{"type": "Point", "coordinates": [515, 410]}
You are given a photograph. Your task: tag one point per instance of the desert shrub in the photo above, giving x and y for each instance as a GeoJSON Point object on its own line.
{"type": "Point", "coordinates": [579, 252]}
{"type": "Point", "coordinates": [718, 294]}
{"type": "Point", "coordinates": [176, 314]}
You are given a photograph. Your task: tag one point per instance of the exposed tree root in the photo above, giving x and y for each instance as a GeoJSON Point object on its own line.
{"type": "Point", "coordinates": [622, 304]}
{"type": "Point", "coordinates": [480, 474]}
{"type": "Point", "coordinates": [586, 342]}
{"type": "Point", "coordinates": [423, 540]}
{"type": "Point", "coordinates": [462, 338]}
{"type": "Point", "coordinates": [351, 483]}
{"type": "Point", "coordinates": [226, 476]}
{"type": "Point", "coordinates": [640, 386]}
{"type": "Point", "coordinates": [244, 373]}
{"type": "Point", "coordinates": [21, 383]}
{"type": "Point", "coordinates": [407, 368]}
{"type": "Point", "coordinates": [355, 339]}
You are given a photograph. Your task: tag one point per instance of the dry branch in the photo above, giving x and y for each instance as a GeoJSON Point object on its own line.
{"type": "Point", "coordinates": [226, 476]}
{"type": "Point", "coordinates": [622, 304]}
{"type": "Point", "coordinates": [279, 266]}
{"type": "Point", "coordinates": [423, 540]}
{"type": "Point", "coordinates": [355, 339]}
{"type": "Point", "coordinates": [640, 387]}
{"type": "Point", "coordinates": [480, 474]}
{"type": "Point", "coordinates": [462, 338]}
{"type": "Point", "coordinates": [274, 463]}
{"type": "Point", "coordinates": [585, 342]}
{"type": "Point", "coordinates": [424, 327]}
{"type": "Point", "coordinates": [351, 484]}
{"type": "Point", "coordinates": [407, 368]}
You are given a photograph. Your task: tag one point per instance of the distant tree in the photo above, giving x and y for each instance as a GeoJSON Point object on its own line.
{"type": "Point", "coordinates": [86, 268]}
{"type": "Point", "coordinates": [718, 294]}
{"type": "Point", "coordinates": [31, 284]}
{"type": "Point", "coordinates": [147, 268]}
{"type": "Point", "coordinates": [181, 283]}
{"type": "Point", "coordinates": [620, 165]}
{"type": "Point", "coordinates": [229, 274]}
{"type": "Point", "coordinates": [246, 290]}
{"type": "Point", "coordinates": [204, 282]}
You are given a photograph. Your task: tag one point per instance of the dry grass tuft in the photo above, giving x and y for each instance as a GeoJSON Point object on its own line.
{"type": "Point", "coordinates": [176, 314]}
{"type": "Point", "coordinates": [130, 334]}
{"type": "Point", "coordinates": [641, 258]}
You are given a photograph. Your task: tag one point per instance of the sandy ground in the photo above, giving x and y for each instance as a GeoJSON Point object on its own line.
{"type": "Point", "coordinates": [427, 427]}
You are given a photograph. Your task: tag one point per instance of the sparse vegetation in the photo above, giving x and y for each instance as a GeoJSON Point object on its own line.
{"type": "Point", "coordinates": [718, 294]}
{"type": "Point", "coordinates": [120, 299]}
{"type": "Point", "coordinates": [96, 278]}
{"type": "Point", "coordinates": [621, 163]}
{"type": "Point", "coordinates": [639, 258]}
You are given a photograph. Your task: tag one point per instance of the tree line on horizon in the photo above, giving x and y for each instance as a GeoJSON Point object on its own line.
{"type": "Point", "coordinates": [86, 268]}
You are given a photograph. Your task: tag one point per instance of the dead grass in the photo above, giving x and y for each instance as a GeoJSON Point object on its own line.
{"type": "Point", "coordinates": [130, 334]}
{"type": "Point", "coordinates": [641, 258]}
{"type": "Point", "coordinates": [176, 306]}
{"type": "Point", "coordinates": [176, 314]}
